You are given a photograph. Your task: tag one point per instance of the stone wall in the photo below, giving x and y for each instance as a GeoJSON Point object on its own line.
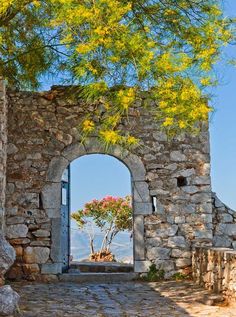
{"type": "Point", "coordinates": [3, 150]}
{"type": "Point", "coordinates": [43, 133]}
{"type": "Point", "coordinates": [7, 254]}
{"type": "Point", "coordinates": [215, 269]}
{"type": "Point", "coordinates": [224, 224]}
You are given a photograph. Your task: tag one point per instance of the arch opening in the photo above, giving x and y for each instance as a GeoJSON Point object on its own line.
{"type": "Point", "coordinates": [103, 178]}
{"type": "Point", "coordinates": [141, 200]}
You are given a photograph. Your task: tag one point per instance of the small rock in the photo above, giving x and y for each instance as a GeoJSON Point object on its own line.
{"type": "Point", "coordinates": [7, 255]}
{"type": "Point", "coordinates": [8, 300]}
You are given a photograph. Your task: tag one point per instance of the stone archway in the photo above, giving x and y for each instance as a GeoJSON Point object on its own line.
{"type": "Point", "coordinates": [43, 139]}
{"type": "Point", "coordinates": [51, 197]}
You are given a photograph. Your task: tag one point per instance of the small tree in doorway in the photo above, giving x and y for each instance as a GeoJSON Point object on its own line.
{"type": "Point", "coordinates": [112, 215]}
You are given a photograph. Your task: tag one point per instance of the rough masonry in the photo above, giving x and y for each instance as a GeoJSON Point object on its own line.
{"type": "Point", "coordinates": [3, 150]}
{"type": "Point", "coordinates": [43, 139]}
{"type": "Point", "coordinates": [8, 297]}
{"type": "Point", "coordinates": [215, 269]}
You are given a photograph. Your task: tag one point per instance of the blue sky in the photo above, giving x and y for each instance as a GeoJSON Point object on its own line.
{"type": "Point", "coordinates": [223, 128]}
{"type": "Point", "coordinates": [96, 176]}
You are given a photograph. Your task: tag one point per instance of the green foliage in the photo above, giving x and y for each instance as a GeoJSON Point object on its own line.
{"type": "Point", "coordinates": [179, 276]}
{"type": "Point", "coordinates": [154, 275]}
{"type": "Point", "coordinates": [165, 47]}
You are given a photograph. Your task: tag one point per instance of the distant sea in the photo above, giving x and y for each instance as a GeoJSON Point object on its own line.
{"type": "Point", "coordinates": [122, 245]}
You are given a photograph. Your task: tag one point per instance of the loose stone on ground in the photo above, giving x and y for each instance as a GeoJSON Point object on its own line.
{"type": "Point", "coordinates": [134, 299]}
{"type": "Point", "coordinates": [8, 300]}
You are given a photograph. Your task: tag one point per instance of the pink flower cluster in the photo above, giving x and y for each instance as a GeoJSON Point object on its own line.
{"type": "Point", "coordinates": [107, 203]}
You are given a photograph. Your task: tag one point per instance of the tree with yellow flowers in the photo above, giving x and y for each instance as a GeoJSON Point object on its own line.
{"type": "Point", "coordinates": [116, 49]}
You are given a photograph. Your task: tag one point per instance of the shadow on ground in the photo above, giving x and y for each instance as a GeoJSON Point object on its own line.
{"type": "Point", "coordinates": [132, 299]}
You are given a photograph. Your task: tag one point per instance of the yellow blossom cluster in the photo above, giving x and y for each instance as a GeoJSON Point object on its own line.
{"type": "Point", "coordinates": [126, 98]}
{"type": "Point", "coordinates": [115, 49]}
{"type": "Point", "coordinates": [5, 5]}
{"type": "Point", "coordinates": [110, 137]}
{"type": "Point", "coordinates": [88, 126]}
{"type": "Point", "coordinates": [182, 106]}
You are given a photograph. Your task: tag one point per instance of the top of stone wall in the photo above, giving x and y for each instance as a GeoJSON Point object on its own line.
{"type": "Point", "coordinates": [217, 203]}
{"type": "Point", "coordinates": [217, 249]}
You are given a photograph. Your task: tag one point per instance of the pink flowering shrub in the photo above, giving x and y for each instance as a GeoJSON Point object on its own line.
{"type": "Point", "coordinates": [110, 214]}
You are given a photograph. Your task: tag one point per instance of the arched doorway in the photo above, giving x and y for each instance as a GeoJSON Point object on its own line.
{"type": "Point", "coordinates": [103, 178]}
{"type": "Point", "coordinates": [141, 198]}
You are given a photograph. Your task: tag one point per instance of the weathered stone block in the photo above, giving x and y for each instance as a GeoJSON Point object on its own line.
{"type": "Point", "coordinates": [158, 253]}
{"type": "Point", "coordinates": [11, 149]}
{"type": "Point", "coordinates": [202, 180]}
{"type": "Point", "coordinates": [41, 233]}
{"type": "Point", "coordinates": [37, 255]}
{"type": "Point", "coordinates": [142, 266]}
{"type": "Point", "coordinates": [165, 230]}
{"type": "Point", "coordinates": [30, 269]}
{"type": "Point", "coordinates": [185, 173]}
{"type": "Point", "coordinates": [29, 199]}
{"type": "Point", "coordinates": [15, 220]}
{"type": "Point", "coordinates": [177, 156]}
{"type": "Point", "coordinates": [154, 242]}
{"type": "Point", "coordinates": [93, 146]}
{"type": "Point", "coordinates": [136, 167]}
{"type": "Point", "coordinates": [201, 197]}
{"type": "Point", "coordinates": [51, 268]}
{"type": "Point", "coordinates": [182, 263]}
{"type": "Point", "coordinates": [166, 265]}
{"type": "Point", "coordinates": [180, 253]}
{"type": "Point", "coordinates": [179, 219]}
{"type": "Point", "coordinates": [190, 189]}
{"type": "Point", "coordinates": [51, 196]}
{"type": "Point", "coordinates": [230, 230]}
{"type": "Point", "coordinates": [140, 192]}
{"type": "Point", "coordinates": [142, 208]}
{"type": "Point", "coordinates": [222, 241]}
{"type": "Point", "coordinates": [203, 234]}
{"type": "Point", "coordinates": [178, 242]}
{"type": "Point", "coordinates": [218, 203]}
{"type": "Point", "coordinates": [56, 168]}
{"type": "Point", "coordinates": [226, 218]}
{"type": "Point", "coordinates": [16, 231]}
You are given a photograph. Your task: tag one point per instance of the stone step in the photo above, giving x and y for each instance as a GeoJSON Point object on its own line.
{"type": "Point", "coordinates": [102, 278]}
{"type": "Point", "coordinates": [100, 267]}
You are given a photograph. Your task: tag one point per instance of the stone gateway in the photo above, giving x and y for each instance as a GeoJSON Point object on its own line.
{"type": "Point", "coordinates": [42, 139]}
